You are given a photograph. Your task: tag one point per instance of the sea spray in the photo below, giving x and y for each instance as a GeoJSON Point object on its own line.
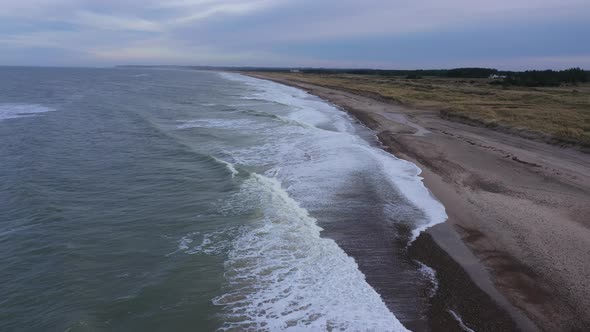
{"type": "Point", "coordinates": [315, 113]}
{"type": "Point", "coordinates": [13, 111]}
{"type": "Point", "coordinates": [282, 275]}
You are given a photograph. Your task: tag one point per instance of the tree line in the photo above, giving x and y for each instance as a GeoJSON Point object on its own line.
{"type": "Point", "coordinates": [546, 77]}
{"type": "Point", "coordinates": [520, 78]}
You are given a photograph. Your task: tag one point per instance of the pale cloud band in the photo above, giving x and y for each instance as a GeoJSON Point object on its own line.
{"type": "Point", "coordinates": [275, 33]}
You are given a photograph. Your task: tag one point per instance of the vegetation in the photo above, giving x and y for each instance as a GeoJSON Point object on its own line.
{"type": "Point", "coordinates": [459, 72]}
{"type": "Point", "coordinates": [546, 77]}
{"type": "Point", "coordinates": [471, 72]}
{"type": "Point", "coordinates": [531, 78]}
{"type": "Point", "coordinates": [560, 113]}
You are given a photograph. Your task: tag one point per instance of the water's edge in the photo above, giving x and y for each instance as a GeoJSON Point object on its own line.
{"type": "Point", "coordinates": [458, 295]}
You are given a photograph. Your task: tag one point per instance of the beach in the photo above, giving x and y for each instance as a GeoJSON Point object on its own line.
{"type": "Point", "coordinates": [518, 214]}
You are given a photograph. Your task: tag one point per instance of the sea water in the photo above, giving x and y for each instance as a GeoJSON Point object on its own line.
{"type": "Point", "coordinates": [181, 200]}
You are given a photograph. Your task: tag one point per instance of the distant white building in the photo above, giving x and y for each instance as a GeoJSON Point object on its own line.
{"type": "Point", "coordinates": [497, 77]}
{"type": "Point", "coordinates": [295, 70]}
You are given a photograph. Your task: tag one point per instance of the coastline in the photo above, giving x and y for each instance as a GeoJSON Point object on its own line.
{"type": "Point", "coordinates": [515, 247]}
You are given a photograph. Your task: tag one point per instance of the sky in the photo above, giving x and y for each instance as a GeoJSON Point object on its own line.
{"type": "Point", "coordinates": [387, 34]}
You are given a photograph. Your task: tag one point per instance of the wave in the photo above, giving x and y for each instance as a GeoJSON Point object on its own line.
{"type": "Point", "coordinates": [350, 148]}
{"type": "Point", "coordinates": [229, 166]}
{"type": "Point", "coordinates": [283, 119]}
{"type": "Point", "coordinates": [184, 243]}
{"type": "Point", "coordinates": [213, 243]}
{"type": "Point", "coordinates": [460, 321]}
{"type": "Point", "coordinates": [429, 274]}
{"type": "Point", "coordinates": [406, 177]}
{"type": "Point", "coordinates": [13, 111]}
{"type": "Point", "coordinates": [277, 277]}
{"type": "Point", "coordinates": [282, 275]}
{"type": "Point", "coordinates": [215, 123]}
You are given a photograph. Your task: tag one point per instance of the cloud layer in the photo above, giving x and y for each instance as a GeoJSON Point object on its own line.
{"type": "Point", "coordinates": [514, 34]}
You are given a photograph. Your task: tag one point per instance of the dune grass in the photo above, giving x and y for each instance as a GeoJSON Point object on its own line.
{"type": "Point", "coordinates": [560, 114]}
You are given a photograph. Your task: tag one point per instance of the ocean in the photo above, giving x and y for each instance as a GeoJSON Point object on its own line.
{"type": "Point", "coordinates": [183, 200]}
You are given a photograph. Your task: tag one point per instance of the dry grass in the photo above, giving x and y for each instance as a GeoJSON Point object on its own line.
{"type": "Point", "coordinates": [560, 113]}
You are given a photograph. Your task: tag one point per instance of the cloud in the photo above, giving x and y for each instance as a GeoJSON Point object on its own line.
{"type": "Point", "coordinates": [110, 22]}
{"type": "Point", "coordinates": [279, 31]}
{"type": "Point", "coordinates": [165, 52]}
{"type": "Point", "coordinates": [341, 19]}
{"type": "Point", "coordinates": [229, 7]}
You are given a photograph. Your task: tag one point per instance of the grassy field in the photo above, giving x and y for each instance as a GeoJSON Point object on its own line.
{"type": "Point", "coordinates": [560, 114]}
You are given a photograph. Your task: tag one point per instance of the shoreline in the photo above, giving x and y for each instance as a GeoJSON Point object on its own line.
{"type": "Point", "coordinates": [485, 247]}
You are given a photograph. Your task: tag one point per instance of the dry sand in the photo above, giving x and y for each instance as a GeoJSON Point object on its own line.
{"type": "Point", "coordinates": [522, 208]}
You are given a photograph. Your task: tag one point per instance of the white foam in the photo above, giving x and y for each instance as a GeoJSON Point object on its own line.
{"type": "Point", "coordinates": [215, 123]}
{"type": "Point", "coordinates": [282, 275]}
{"type": "Point", "coordinates": [213, 243]}
{"type": "Point", "coordinates": [405, 176]}
{"type": "Point", "coordinates": [429, 274]}
{"type": "Point", "coordinates": [346, 148]}
{"type": "Point", "coordinates": [184, 242]}
{"type": "Point", "coordinates": [13, 111]}
{"type": "Point", "coordinates": [231, 76]}
{"type": "Point", "coordinates": [305, 108]}
{"type": "Point", "coordinates": [230, 167]}
{"type": "Point", "coordinates": [460, 321]}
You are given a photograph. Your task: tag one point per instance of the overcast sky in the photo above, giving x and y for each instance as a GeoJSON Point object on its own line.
{"type": "Point", "coordinates": [505, 34]}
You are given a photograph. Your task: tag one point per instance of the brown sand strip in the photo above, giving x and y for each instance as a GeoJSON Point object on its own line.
{"type": "Point", "coordinates": [521, 207]}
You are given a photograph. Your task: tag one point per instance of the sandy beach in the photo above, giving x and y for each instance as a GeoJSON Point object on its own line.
{"type": "Point", "coordinates": [519, 214]}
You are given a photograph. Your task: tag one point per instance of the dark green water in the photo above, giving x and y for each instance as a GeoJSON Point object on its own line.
{"type": "Point", "coordinates": [170, 200]}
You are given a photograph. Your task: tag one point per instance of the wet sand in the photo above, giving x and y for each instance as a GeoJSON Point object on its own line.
{"type": "Point", "coordinates": [515, 251]}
